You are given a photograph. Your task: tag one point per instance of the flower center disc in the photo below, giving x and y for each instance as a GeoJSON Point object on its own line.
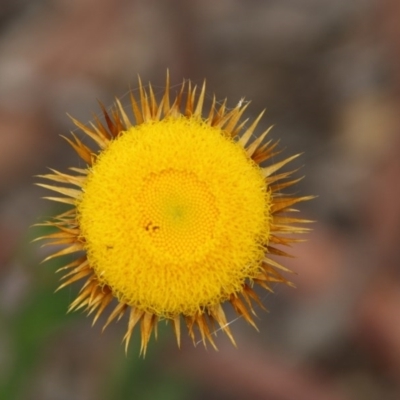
{"type": "Point", "coordinates": [174, 216]}
{"type": "Point", "coordinates": [179, 213]}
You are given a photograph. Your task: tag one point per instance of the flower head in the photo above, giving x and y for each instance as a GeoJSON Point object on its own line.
{"type": "Point", "coordinates": [174, 214]}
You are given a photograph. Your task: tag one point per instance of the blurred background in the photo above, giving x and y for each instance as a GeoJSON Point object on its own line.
{"type": "Point", "coordinates": [328, 73]}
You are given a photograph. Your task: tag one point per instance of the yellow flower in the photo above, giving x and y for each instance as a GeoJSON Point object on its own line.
{"type": "Point", "coordinates": [174, 215]}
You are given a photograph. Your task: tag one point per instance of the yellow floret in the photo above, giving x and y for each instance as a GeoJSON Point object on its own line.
{"type": "Point", "coordinates": [175, 216]}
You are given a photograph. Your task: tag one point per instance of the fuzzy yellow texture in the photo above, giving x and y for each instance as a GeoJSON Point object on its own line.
{"type": "Point", "coordinates": [175, 216]}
